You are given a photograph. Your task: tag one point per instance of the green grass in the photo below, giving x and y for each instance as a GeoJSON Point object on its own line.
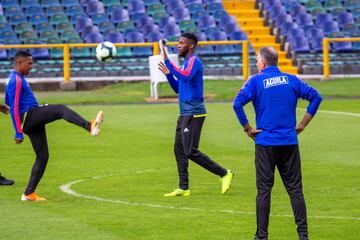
{"type": "Point", "coordinates": [215, 90]}
{"type": "Point", "coordinates": [140, 137]}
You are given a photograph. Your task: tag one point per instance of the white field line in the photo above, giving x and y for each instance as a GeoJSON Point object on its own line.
{"type": "Point", "coordinates": [337, 113]}
{"type": "Point", "coordinates": [66, 188]}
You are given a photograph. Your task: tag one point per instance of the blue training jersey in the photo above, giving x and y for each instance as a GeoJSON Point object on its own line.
{"type": "Point", "coordinates": [20, 98]}
{"type": "Point", "coordinates": [188, 83]}
{"type": "Point", "coordinates": [274, 96]}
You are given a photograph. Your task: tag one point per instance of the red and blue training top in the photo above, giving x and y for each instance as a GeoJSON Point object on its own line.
{"type": "Point", "coordinates": [20, 98]}
{"type": "Point", "coordinates": [189, 85]}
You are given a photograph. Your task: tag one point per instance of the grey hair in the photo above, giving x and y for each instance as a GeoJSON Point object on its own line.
{"type": "Point", "coordinates": [270, 56]}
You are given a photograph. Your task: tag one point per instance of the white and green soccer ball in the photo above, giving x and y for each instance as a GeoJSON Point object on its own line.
{"type": "Point", "coordinates": [105, 51]}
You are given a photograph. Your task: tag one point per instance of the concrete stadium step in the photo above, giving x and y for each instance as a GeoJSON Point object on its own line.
{"type": "Point", "coordinates": [250, 22]}
{"type": "Point", "coordinates": [262, 38]}
{"type": "Point", "coordinates": [256, 30]}
{"type": "Point", "coordinates": [244, 13]}
{"type": "Point", "coordinates": [248, 4]}
{"type": "Point", "coordinates": [259, 36]}
{"type": "Point", "coordinates": [289, 69]}
{"type": "Point", "coordinates": [257, 46]}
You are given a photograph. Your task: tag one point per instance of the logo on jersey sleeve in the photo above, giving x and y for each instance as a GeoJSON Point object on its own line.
{"type": "Point", "coordinates": [275, 81]}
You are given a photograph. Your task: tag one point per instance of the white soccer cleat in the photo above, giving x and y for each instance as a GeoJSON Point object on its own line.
{"type": "Point", "coordinates": [95, 124]}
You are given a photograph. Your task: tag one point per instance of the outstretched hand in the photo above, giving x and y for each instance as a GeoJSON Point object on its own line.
{"type": "Point", "coordinates": [163, 68]}
{"type": "Point", "coordinates": [4, 109]}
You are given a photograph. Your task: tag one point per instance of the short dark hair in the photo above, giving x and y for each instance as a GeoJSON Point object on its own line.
{"type": "Point", "coordinates": [270, 55]}
{"type": "Point", "coordinates": [190, 36]}
{"type": "Point", "coordinates": [22, 53]}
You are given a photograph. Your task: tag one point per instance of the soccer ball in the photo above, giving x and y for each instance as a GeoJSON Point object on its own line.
{"type": "Point", "coordinates": [105, 51]}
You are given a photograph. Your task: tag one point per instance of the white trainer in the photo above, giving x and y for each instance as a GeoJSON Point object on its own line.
{"type": "Point", "coordinates": [95, 124]}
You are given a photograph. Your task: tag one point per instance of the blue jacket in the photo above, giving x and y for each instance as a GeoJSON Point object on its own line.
{"type": "Point", "coordinates": [188, 84]}
{"type": "Point", "coordinates": [274, 96]}
{"type": "Point", "coordinates": [20, 98]}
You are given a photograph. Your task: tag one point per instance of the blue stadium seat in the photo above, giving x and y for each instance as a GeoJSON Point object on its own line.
{"type": "Point", "coordinates": [294, 33]}
{"type": "Point", "coordinates": [89, 29]}
{"type": "Point", "coordinates": [43, 26]}
{"type": "Point", "coordinates": [9, 3]}
{"type": "Point", "coordinates": [348, 28]}
{"type": "Point", "coordinates": [49, 3]}
{"type": "Point", "coordinates": [344, 18]}
{"type": "Point", "coordinates": [217, 36]}
{"type": "Point", "coordinates": [313, 32]}
{"type": "Point", "coordinates": [5, 27]}
{"type": "Point", "coordinates": [99, 17]}
{"type": "Point", "coordinates": [135, 6]}
{"type": "Point", "coordinates": [303, 19]}
{"type": "Point", "coordinates": [154, 36]}
{"type": "Point", "coordinates": [215, 6]}
{"type": "Point", "coordinates": [181, 14]}
{"type": "Point", "coordinates": [276, 10]}
{"type": "Point", "coordinates": [33, 10]}
{"type": "Point", "coordinates": [109, 9]}
{"type": "Point", "coordinates": [106, 27]}
{"type": "Point", "coordinates": [231, 27]}
{"type": "Point", "coordinates": [206, 21]}
{"type": "Point", "coordinates": [226, 19]}
{"type": "Point", "coordinates": [323, 17]}
{"type": "Point", "coordinates": [119, 15]}
{"type": "Point", "coordinates": [286, 27]}
{"type": "Point", "coordinates": [330, 26]}
{"type": "Point", "coordinates": [148, 28]}
{"type": "Point", "coordinates": [171, 29]}
{"type": "Point", "coordinates": [16, 19]}
{"type": "Point", "coordinates": [81, 22]}
{"type": "Point", "coordinates": [52, 10]}
{"type": "Point", "coordinates": [340, 46]}
{"type": "Point", "coordinates": [297, 9]}
{"type": "Point", "coordinates": [351, 4]}
{"type": "Point", "coordinates": [238, 35]}
{"type": "Point", "coordinates": [94, 37]}
{"type": "Point", "coordinates": [69, 3]}
{"type": "Point", "coordinates": [219, 14]}
{"type": "Point", "coordinates": [195, 7]}
{"type": "Point", "coordinates": [142, 21]}
{"type": "Point", "coordinates": [165, 20]}
{"type": "Point", "coordinates": [300, 44]}
{"type": "Point", "coordinates": [74, 9]}
{"type": "Point", "coordinates": [13, 10]}
{"type": "Point", "coordinates": [3, 54]}
{"type": "Point", "coordinates": [29, 3]}
{"type": "Point", "coordinates": [114, 37]}
{"type": "Point", "coordinates": [172, 4]}
{"type": "Point", "coordinates": [94, 7]}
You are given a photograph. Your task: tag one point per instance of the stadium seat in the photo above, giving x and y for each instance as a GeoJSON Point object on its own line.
{"type": "Point", "coordinates": [64, 26]}
{"type": "Point", "coordinates": [154, 36]}
{"type": "Point", "coordinates": [294, 33]}
{"type": "Point", "coordinates": [49, 3]}
{"type": "Point", "coordinates": [158, 15]}
{"type": "Point", "coordinates": [276, 10]}
{"type": "Point", "coordinates": [58, 18]}
{"type": "Point", "coordinates": [219, 14]}
{"type": "Point", "coordinates": [38, 18]}
{"type": "Point", "coordinates": [297, 9]}
{"type": "Point", "coordinates": [69, 3]}
{"type": "Point", "coordinates": [8, 3]}
{"type": "Point", "coordinates": [348, 28]}
{"type": "Point", "coordinates": [214, 6]}
{"type": "Point", "coordinates": [314, 31]}
{"type": "Point", "coordinates": [114, 37]}
{"type": "Point", "coordinates": [356, 13]}
{"type": "Point", "coordinates": [3, 54]}
{"type": "Point", "coordinates": [330, 26]}
{"type": "Point", "coordinates": [166, 20]}
{"type": "Point", "coordinates": [206, 21]}
{"type": "Point", "coordinates": [313, 4]}
{"type": "Point", "coordinates": [171, 29]}
{"type": "Point", "coordinates": [142, 21]}
{"type": "Point", "coordinates": [105, 26]}
{"type": "Point", "coordinates": [94, 7]}
{"type": "Point", "coordinates": [231, 27]}
{"type": "Point", "coordinates": [300, 44]}
{"type": "Point", "coordinates": [108, 3]}
{"type": "Point", "coordinates": [119, 15]}
{"type": "Point", "coordinates": [52, 10]}
{"type": "Point", "coordinates": [135, 6]}
{"type": "Point", "coordinates": [344, 18]}
{"type": "Point", "coordinates": [303, 19]}
{"type": "Point", "coordinates": [217, 36]}
{"type": "Point", "coordinates": [45, 26]}
{"type": "Point", "coordinates": [94, 37]}
{"type": "Point", "coordinates": [81, 22]}
{"type": "Point", "coordinates": [3, 19]}
{"type": "Point", "coordinates": [323, 17]}
{"type": "Point", "coordinates": [48, 34]}
{"type": "Point", "coordinates": [19, 28]}
{"type": "Point", "coordinates": [351, 4]}
{"type": "Point", "coordinates": [17, 19]}
{"type": "Point", "coordinates": [74, 9]}
{"type": "Point", "coordinates": [340, 46]}
{"type": "Point", "coordinates": [172, 4]}
{"type": "Point", "coordinates": [89, 29]}
{"type": "Point", "coordinates": [154, 8]}
{"type": "Point", "coordinates": [195, 7]}
{"type": "Point", "coordinates": [126, 25]}
{"type": "Point", "coordinates": [69, 35]}
{"type": "Point", "coordinates": [282, 18]}
{"type": "Point", "coordinates": [226, 19]}
{"type": "Point", "coordinates": [99, 17]}
{"type": "Point", "coordinates": [181, 14]}
{"type": "Point", "coordinates": [332, 4]}
{"type": "Point", "coordinates": [33, 10]}
{"type": "Point", "coordinates": [5, 27]}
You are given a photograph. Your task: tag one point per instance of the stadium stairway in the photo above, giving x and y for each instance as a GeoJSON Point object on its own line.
{"type": "Point", "coordinates": [259, 35]}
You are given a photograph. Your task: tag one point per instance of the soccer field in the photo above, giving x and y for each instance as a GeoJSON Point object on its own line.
{"type": "Point", "coordinates": [118, 179]}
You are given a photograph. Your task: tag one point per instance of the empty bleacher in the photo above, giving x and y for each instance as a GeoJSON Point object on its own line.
{"type": "Point", "coordinates": [295, 27]}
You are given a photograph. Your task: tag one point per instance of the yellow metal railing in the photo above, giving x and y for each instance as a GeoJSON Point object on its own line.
{"type": "Point", "coordinates": [155, 46]}
{"type": "Point", "coordinates": [326, 59]}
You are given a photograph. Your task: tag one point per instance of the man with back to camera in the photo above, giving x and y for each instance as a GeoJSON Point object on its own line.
{"type": "Point", "coordinates": [29, 117]}
{"type": "Point", "coordinates": [189, 86]}
{"type": "Point", "coordinates": [4, 181]}
{"type": "Point", "coordinates": [274, 96]}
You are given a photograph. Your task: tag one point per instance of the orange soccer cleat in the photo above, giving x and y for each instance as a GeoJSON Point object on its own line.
{"type": "Point", "coordinates": [32, 197]}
